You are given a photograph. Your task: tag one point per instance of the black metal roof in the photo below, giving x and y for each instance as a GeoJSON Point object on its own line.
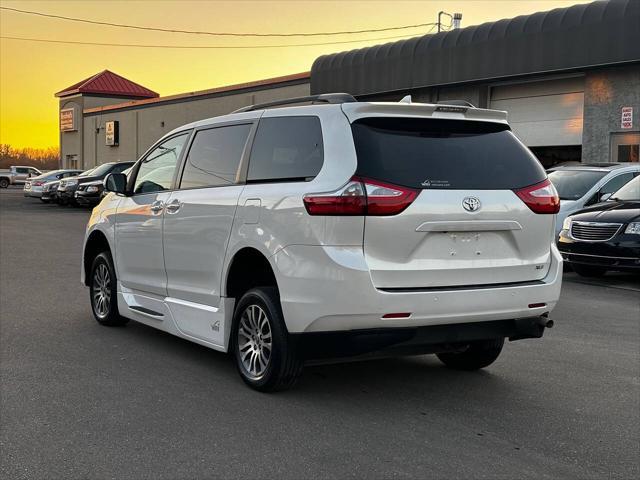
{"type": "Point", "coordinates": [587, 35]}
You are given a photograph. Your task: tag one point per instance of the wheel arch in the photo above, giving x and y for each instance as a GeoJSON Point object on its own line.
{"type": "Point", "coordinates": [96, 243]}
{"type": "Point", "coordinates": [247, 269]}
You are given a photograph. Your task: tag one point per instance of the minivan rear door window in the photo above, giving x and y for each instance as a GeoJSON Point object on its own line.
{"type": "Point", "coordinates": [286, 149]}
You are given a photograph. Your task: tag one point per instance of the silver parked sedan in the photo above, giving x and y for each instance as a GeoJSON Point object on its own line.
{"type": "Point", "coordinates": [33, 186]}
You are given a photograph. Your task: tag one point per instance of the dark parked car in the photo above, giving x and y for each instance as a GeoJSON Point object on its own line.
{"type": "Point", "coordinates": [67, 187]}
{"type": "Point", "coordinates": [605, 236]}
{"type": "Point", "coordinates": [90, 194]}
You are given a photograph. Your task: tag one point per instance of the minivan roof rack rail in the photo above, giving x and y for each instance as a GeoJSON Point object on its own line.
{"type": "Point", "coordinates": [334, 98]}
{"type": "Point", "coordinates": [456, 103]}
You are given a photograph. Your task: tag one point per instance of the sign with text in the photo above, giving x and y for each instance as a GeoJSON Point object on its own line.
{"type": "Point", "coordinates": [68, 120]}
{"type": "Point", "coordinates": [626, 120]}
{"type": "Point", "coordinates": [112, 133]}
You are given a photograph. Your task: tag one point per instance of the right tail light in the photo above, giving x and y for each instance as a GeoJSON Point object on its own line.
{"type": "Point", "coordinates": [541, 197]}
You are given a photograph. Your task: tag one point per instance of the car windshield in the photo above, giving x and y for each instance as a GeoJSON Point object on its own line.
{"type": "Point", "coordinates": [573, 184]}
{"type": "Point", "coordinates": [86, 173]}
{"type": "Point", "coordinates": [102, 169]}
{"type": "Point", "coordinates": [629, 193]}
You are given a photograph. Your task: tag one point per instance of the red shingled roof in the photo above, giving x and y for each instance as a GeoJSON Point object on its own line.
{"type": "Point", "coordinates": [108, 83]}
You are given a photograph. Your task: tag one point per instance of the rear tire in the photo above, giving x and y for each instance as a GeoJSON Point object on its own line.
{"type": "Point", "coordinates": [477, 355]}
{"type": "Point", "coordinates": [4, 183]}
{"type": "Point", "coordinates": [103, 292]}
{"type": "Point", "coordinates": [265, 354]}
{"type": "Point", "coordinates": [589, 270]}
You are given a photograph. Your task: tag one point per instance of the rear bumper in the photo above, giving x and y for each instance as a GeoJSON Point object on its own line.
{"type": "Point", "coordinates": [35, 192]}
{"type": "Point", "coordinates": [330, 289]}
{"type": "Point", "coordinates": [320, 346]}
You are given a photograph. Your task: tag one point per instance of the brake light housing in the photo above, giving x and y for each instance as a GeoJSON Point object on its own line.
{"type": "Point", "coordinates": [540, 198]}
{"type": "Point", "coordinates": [361, 196]}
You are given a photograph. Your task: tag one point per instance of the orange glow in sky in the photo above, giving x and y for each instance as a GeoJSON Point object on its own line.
{"type": "Point", "coordinates": [30, 73]}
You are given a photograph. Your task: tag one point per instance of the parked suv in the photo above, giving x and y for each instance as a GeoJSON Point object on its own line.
{"type": "Point", "coordinates": [297, 234]}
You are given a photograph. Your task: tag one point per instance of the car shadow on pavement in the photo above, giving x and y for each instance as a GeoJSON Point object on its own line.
{"type": "Point", "coordinates": [421, 378]}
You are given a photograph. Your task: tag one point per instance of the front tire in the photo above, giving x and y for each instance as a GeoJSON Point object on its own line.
{"type": "Point", "coordinates": [265, 354]}
{"type": "Point", "coordinates": [4, 183]}
{"type": "Point", "coordinates": [477, 355]}
{"type": "Point", "coordinates": [103, 292]}
{"type": "Point", "coordinates": [589, 270]}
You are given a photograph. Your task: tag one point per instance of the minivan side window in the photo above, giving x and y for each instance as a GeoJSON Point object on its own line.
{"type": "Point", "coordinates": [157, 169]}
{"type": "Point", "coordinates": [214, 156]}
{"type": "Point", "coordinates": [287, 149]}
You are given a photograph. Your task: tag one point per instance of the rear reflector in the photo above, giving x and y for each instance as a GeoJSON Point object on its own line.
{"type": "Point", "coordinates": [541, 197]}
{"type": "Point", "coordinates": [537, 305]}
{"type": "Point", "coordinates": [361, 196]}
{"type": "Point", "coordinates": [396, 315]}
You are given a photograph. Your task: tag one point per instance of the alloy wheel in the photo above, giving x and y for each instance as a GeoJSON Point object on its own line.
{"type": "Point", "coordinates": [255, 341]}
{"type": "Point", "coordinates": [101, 290]}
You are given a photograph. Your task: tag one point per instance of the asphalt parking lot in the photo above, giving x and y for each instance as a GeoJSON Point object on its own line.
{"type": "Point", "coordinates": [78, 400]}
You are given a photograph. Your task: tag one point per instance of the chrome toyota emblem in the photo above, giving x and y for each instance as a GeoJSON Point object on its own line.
{"type": "Point", "coordinates": [471, 204]}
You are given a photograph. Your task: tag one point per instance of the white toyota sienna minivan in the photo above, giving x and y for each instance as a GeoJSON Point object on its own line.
{"type": "Point", "coordinates": [294, 234]}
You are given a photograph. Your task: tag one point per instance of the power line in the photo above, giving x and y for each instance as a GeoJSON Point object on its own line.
{"type": "Point", "coordinates": [219, 34]}
{"type": "Point", "coordinates": [219, 47]}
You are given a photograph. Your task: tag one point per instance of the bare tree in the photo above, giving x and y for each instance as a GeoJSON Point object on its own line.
{"type": "Point", "coordinates": [41, 158]}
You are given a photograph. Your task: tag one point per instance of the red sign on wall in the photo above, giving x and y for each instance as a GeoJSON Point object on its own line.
{"type": "Point", "coordinates": [626, 120]}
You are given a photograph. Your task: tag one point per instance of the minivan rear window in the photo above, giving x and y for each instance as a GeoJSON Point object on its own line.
{"type": "Point", "coordinates": [443, 154]}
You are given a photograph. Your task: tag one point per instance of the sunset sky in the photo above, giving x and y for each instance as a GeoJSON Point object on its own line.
{"type": "Point", "coordinates": [30, 72]}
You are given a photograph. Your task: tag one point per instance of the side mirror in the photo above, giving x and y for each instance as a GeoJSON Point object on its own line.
{"type": "Point", "coordinates": [116, 183]}
{"type": "Point", "coordinates": [605, 196]}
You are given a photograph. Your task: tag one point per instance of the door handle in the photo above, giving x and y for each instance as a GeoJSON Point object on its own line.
{"type": "Point", "coordinates": [157, 206]}
{"type": "Point", "coordinates": [173, 206]}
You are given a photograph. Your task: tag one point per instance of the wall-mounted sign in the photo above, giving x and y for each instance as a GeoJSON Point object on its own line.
{"type": "Point", "coordinates": [112, 133]}
{"type": "Point", "coordinates": [626, 120]}
{"type": "Point", "coordinates": [68, 120]}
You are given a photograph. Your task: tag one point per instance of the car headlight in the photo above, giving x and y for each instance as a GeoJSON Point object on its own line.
{"type": "Point", "coordinates": [566, 225]}
{"type": "Point", "coordinates": [633, 228]}
{"type": "Point", "coordinates": [93, 189]}
{"type": "Point", "coordinates": [71, 182]}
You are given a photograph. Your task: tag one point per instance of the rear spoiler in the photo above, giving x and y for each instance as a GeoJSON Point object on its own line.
{"type": "Point", "coordinates": [356, 110]}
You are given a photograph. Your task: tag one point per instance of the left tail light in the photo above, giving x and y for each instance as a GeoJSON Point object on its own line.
{"type": "Point", "coordinates": [541, 197]}
{"type": "Point", "coordinates": [361, 196]}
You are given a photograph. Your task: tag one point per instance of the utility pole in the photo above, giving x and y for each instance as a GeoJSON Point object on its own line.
{"type": "Point", "coordinates": [456, 19]}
